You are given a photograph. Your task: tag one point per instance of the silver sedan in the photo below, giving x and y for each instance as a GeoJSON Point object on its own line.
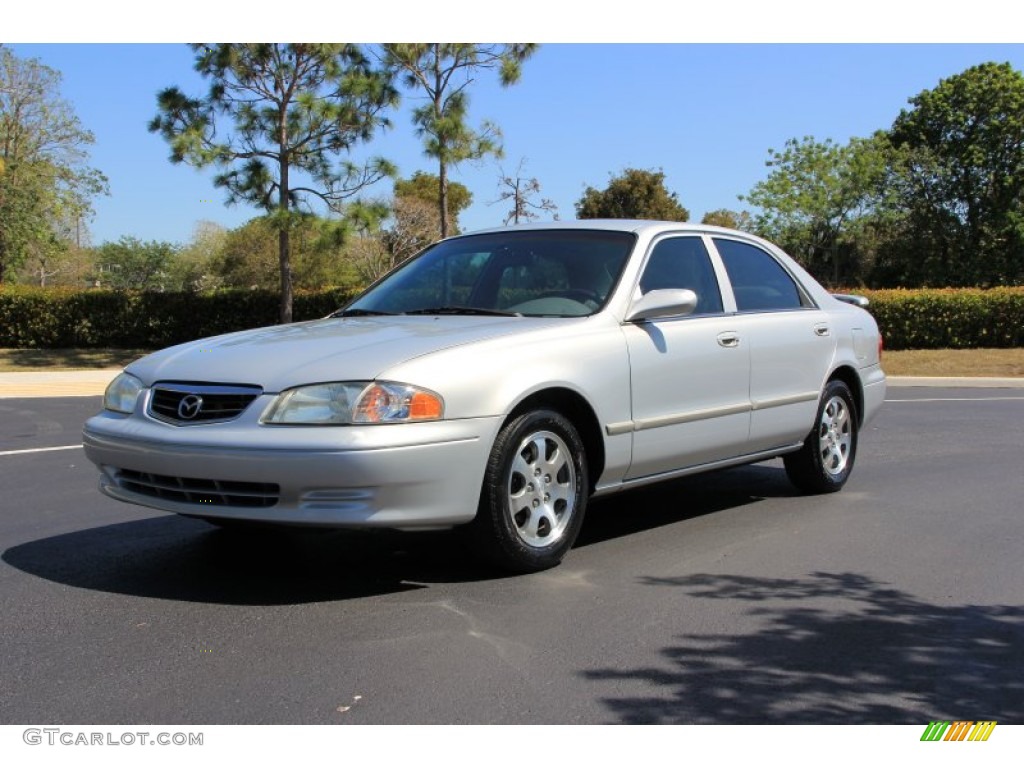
{"type": "Point", "coordinates": [498, 381]}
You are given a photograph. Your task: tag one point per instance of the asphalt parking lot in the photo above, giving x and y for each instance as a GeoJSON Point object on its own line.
{"type": "Point", "coordinates": [717, 599]}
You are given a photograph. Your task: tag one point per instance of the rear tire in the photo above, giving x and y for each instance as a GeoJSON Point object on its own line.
{"type": "Point", "coordinates": [824, 463]}
{"type": "Point", "coordinates": [534, 494]}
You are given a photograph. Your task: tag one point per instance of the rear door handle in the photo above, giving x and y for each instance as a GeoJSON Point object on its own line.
{"type": "Point", "coordinates": [821, 329]}
{"type": "Point", "coordinates": [729, 339]}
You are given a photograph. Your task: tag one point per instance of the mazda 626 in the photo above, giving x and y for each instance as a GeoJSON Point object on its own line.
{"type": "Point", "coordinates": [499, 380]}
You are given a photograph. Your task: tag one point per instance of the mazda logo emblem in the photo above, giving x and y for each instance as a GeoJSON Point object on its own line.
{"type": "Point", "coordinates": [190, 406]}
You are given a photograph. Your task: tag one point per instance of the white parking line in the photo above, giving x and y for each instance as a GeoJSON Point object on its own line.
{"type": "Point", "coordinates": [951, 399]}
{"type": "Point", "coordinates": [40, 450]}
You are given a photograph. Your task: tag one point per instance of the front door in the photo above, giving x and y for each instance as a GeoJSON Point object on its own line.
{"type": "Point", "coordinates": [689, 375]}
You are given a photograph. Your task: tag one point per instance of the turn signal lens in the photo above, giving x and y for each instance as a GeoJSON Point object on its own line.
{"type": "Point", "coordinates": [425, 405]}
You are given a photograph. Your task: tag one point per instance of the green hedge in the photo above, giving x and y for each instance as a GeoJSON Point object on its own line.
{"type": "Point", "coordinates": [61, 318]}
{"type": "Point", "coordinates": [949, 318]}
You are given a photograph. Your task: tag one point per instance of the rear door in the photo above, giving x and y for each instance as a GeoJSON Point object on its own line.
{"type": "Point", "coordinates": [790, 340]}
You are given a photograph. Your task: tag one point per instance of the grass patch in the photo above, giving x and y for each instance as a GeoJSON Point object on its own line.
{"type": "Point", "coordinates": [954, 362]}
{"type": "Point", "coordinates": [14, 360]}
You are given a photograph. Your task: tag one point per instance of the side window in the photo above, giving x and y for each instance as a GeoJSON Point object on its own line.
{"type": "Point", "coordinates": [758, 281]}
{"type": "Point", "coordinates": [683, 262]}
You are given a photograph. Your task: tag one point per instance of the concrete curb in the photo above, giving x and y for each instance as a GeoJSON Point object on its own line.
{"type": "Point", "coordinates": [992, 382]}
{"type": "Point", "coordinates": [92, 383]}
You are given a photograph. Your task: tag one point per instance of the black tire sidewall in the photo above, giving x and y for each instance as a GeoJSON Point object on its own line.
{"type": "Point", "coordinates": [495, 529]}
{"type": "Point", "coordinates": [805, 467]}
{"type": "Point", "coordinates": [838, 388]}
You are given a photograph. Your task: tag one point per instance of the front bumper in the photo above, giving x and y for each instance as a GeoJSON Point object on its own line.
{"type": "Point", "coordinates": [405, 476]}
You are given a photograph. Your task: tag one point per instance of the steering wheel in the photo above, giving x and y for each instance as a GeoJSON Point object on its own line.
{"type": "Point", "coordinates": [574, 294]}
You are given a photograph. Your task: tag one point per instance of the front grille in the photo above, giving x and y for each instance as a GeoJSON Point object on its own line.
{"type": "Point", "coordinates": [215, 493]}
{"type": "Point", "coordinates": [199, 403]}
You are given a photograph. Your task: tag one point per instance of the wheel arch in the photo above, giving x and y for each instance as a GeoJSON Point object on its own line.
{"type": "Point", "coordinates": [849, 377]}
{"type": "Point", "coordinates": [576, 409]}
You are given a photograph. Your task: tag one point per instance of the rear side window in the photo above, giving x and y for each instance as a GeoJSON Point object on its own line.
{"type": "Point", "coordinates": [759, 282]}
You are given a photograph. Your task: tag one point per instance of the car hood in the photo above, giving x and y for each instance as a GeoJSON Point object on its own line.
{"type": "Point", "coordinates": [334, 349]}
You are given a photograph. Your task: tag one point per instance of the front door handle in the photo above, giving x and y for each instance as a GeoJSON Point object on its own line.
{"type": "Point", "coordinates": [729, 339]}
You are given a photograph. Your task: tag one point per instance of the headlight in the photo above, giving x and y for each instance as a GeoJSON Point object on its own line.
{"type": "Point", "coordinates": [354, 402]}
{"type": "Point", "coordinates": [122, 393]}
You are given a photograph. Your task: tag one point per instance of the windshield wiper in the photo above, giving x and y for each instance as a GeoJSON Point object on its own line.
{"type": "Point", "coordinates": [356, 312]}
{"type": "Point", "coordinates": [456, 310]}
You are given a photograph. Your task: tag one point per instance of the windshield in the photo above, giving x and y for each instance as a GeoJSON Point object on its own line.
{"type": "Point", "coordinates": [563, 273]}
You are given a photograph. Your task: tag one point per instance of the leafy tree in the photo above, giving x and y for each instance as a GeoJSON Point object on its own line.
{"type": "Point", "coordinates": [957, 168]}
{"type": "Point", "coordinates": [443, 72]}
{"type": "Point", "coordinates": [45, 180]}
{"type": "Point", "coordinates": [131, 264]}
{"type": "Point", "coordinates": [426, 187]}
{"type": "Point", "coordinates": [65, 258]}
{"type": "Point", "coordinates": [723, 217]}
{"type": "Point", "coordinates": [520, 190]}
{"type": "Point", "coordinates": [813, 198]}
{"type": "Point", "coordinates": [636, 194]}
{"type": "Point", "coordinates": [281, 110]}
{"type": "Point", "coordinates": [194, 265]}
{"type": "Point", "coordinates": [248, 256]}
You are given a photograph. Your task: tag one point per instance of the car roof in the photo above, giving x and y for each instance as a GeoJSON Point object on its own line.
{"type": "Point", "coordinates": [637, 226]}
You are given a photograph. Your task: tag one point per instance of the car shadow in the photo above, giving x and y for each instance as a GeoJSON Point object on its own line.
{"type": "Point", "coordinates": [653, 506]}
{"type": "Point", "coordinates": [835, 648]}
{"type": "Point", "coordinates": [176, 558]}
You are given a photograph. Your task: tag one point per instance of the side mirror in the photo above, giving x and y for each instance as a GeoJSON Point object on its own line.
{"type": "Point", "coordinates": [664, 302]}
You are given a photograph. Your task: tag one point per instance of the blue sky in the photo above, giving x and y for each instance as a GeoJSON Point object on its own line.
{"type": "Point", "coordinates": [706, 114]}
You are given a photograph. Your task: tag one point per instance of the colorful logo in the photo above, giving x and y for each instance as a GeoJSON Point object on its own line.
{"type": "Point", "coordinates": [960, 730]}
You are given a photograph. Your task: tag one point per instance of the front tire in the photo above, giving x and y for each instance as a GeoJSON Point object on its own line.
{"type": "Point", "coordinates": [534, 494]}
{"type": "Point", "coordinates": [824, 463]}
